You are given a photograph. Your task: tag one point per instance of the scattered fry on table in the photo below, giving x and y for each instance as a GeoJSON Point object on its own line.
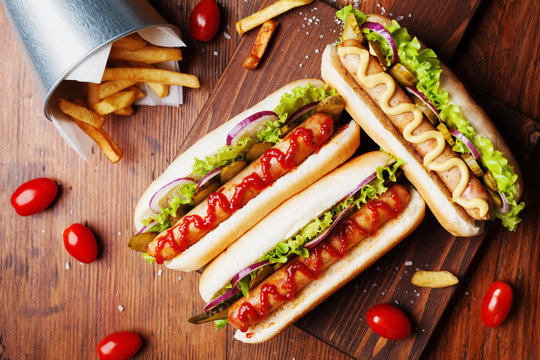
{"type": "Point", "coordinates": [81, 113]}
{"type": "Point", "coordinates": [151, 76]}
{"type": "Point", "coordinates": [434, 279]}
{"type": "Point", "coordinates": [269, 12]}
{"type": "Point", "coordinates": [131, 42]}
{"type": "Point", "coordinates": [148, 54]}
{"type": "Point", "coordinates": [261, 43]}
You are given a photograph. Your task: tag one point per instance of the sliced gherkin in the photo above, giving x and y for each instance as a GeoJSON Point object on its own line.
{"type": "Point", "coordinates": [140, 241]}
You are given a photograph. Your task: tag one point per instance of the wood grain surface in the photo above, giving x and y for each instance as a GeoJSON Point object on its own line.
{"type": "Point", "coordinates": [51, 312]}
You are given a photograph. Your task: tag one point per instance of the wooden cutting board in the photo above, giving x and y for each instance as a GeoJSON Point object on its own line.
{"type": "Point", "coordinates": [295, 52]}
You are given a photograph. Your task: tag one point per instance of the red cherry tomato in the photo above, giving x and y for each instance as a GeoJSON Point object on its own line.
{"type": "Point", "coordinates": [34, 196]}
{"type": "Point", "coordinates": [119, 346]}
{"type": "Point", "coordinates": [80, 243]}
{"type": "Point", "coordinates": [204, 20]}
{"type": "Point", "coordinates": [389, 321]}
{"type": "Point", "coordinates": [496, 303]}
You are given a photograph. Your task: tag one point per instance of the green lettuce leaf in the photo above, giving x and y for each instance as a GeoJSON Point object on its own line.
{"type": "Point", "coordinates": [491, 159]}
{"type": "Point", "coordinates": [243, 285]}
{"type": "Point", "coordinates": [225, 156]}
{"type": "Point", "coordinates": [221, 323]}
{"type": "Point", "coordinates": [342, 14]}
{"type": "Point", "coordinates": [162, 219]}
{"type": "Point", "coordinates": [148, 258]}
{"type": "Point", "coordinates": [288, 104]}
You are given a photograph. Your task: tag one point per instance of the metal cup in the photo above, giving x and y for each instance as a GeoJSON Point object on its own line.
{"type": "Point", "coordinates": [60, 35]}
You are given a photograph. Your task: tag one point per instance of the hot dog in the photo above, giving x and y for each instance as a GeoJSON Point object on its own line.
{"type": "Point", "coordinates": [413, 106]}
{"type": "Point", "coordinates": [321, 238]}
{"type": "Point", "coordinates": [230, 179]}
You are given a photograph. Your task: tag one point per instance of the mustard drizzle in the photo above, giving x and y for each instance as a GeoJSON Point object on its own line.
{"type": "Point", "coordinates": [373, 80]}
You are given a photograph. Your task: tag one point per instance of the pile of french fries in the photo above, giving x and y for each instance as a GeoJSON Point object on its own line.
{"type": "Point", "coordinates": [130, 65]}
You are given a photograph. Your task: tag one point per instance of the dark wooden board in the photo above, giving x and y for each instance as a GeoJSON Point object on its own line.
{"type": "Point", "coordinates": [339, 320]}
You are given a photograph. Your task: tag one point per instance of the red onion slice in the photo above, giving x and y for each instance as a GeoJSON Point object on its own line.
{"type": "Point", "coordinates": [414, 91]}
{"type": "Point", "coordinates": [217, 171]}
{"type": "Point", "coordinates": [158, 195]}
{"type": "Point", "coordinates": [505, 208]}
{"type": "Point", "coordinates": [303, 110]}
{"type": "Point", "coordinates": [381, 30]}
{"type": "Point", "coordinates": [250, 126]}
{"type": "Point", "coordinates": [244, 272]}
{"type": "Point", "coordinates": [147, 227]}
{"type": "Point", "coordinates": [468, 143]}
{"type": "Point", "coordinates": [323, 236]}
{"type": "Point", "coordinates": [221, 298]}
{"type": "Point", "coordinates": [361, 185]}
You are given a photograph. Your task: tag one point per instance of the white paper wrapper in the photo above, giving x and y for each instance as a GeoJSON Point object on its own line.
{"type": "Point", "coordinates": [92, 71]}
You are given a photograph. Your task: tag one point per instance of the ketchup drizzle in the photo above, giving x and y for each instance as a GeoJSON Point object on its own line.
{"type": "Point", "coordinates": [253, 182]}
{"type": "Point", "coordinates": [344, 230]}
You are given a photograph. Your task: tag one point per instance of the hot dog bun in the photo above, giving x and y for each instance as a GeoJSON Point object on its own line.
{"type": "Point", "coordinates": [292, 215]}
{"type": "Point", "coordinates": [380, 128]}
{"type": "Point", "coordinates": [338, 149]}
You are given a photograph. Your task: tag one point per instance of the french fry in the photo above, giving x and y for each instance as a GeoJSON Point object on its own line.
{"type": "Point", "coordinates": [161, 90]}
{"type": "Point", "coordinates": [115, 102]}
{"type": "Point", "coordinates": [81, 113]}
{"type": "Point", "coordinates": [109, 88]}
{"type": "Point", "coordinates": [434, 279]}
{"type": "Point", "coordinates": [92, 95]}
{"type": "Point", "coordinates": [261, 43]}
{"type": "Point", "coordinates": [125, 111]}
{"type": "Point", "coordinates": [100, 136]}
{"type": "Point", "coordinates": [137, 92]}
{"type": "Point", "coordinates": [103, 139]}
{"type": "Point", "coordinates": [269, 12]}
{"type": "Point", "coordinates": [158, 76]}
{"type": "Point", "coordinates": [131, 42]}
{"type": "Point", "coordinates": [148, 54]}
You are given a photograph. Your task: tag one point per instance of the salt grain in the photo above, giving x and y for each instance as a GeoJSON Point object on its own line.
{"type": "Point", "coordinates": [159, 272]}
{"type": "Point", "coordinates": [43, 231]}
{"type": "Point", "coordinates": [179, 278]}
{"type": "Point", "coordinates": [227, 36]}
{"type": "Point", "coordinates": [399, 18]}
{"type": "Point", "coordinates": [68, 266]}
{"type": "Point", "coordinates": [408, 263]}
{"type": "Point", "coordinates": [216, 53]}
{"type": "Point", "coordinates": [316, 51]}
{"type": "Point", "coordinates": [119, 233]}
{"type": "Point", "coordinates": [120, 308]}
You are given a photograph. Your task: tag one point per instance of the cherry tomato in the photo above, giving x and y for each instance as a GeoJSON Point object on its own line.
{"type": "Point", "coordinates": [496, 303]}
{"type": "Point", "coordinates": [204, 20]}
{"type": "Point", "coordinates": [389, 321]}
{"type": "Point", "coordinates": [34, 196]}
{"type": "Point", "coordinates": [80, 243]}
{"type": "Point", "coordinates": [119, 346]}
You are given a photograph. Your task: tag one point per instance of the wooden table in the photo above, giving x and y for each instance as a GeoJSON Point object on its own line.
{"type": "Point", "coordinates": [51, 312]}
